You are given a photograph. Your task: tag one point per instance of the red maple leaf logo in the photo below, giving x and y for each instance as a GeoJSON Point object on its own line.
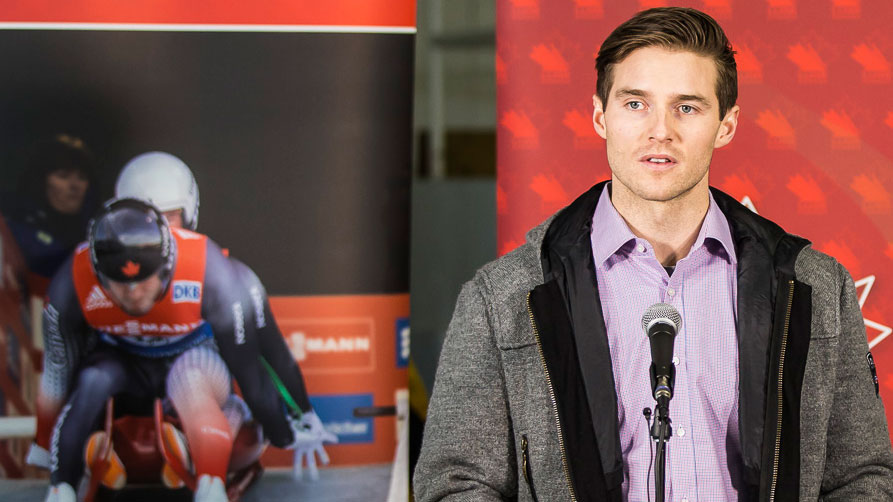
{"type": "Point", "coordinates": [554, 66]}
{"type": "Point", "coordinates": [549, 189]}
{"type": "Point", "coordinates": [781, 133]}
{"type": "Point", "coordinates": [875, 67]}
{"type": "Point", "coordinates": [740, 186]}
{"type": "Point", "coordinates": [750, 69]}
{"type": "Point", "coordinates": [845, 135]}
{"type": "Point", "coordinates": [870, 57]}
{"type": "Point", "coordinates": [520, 125]}
{"type": "Point", "coordinates": [839, 123]}
{"type": "Point", "coordinates": [875, 198]}
{"type": "Point", "coordinates": [525, 135]}
{"type": "Point", "coordinates": [812, 199]}
{"type": "Point", "coordinates": [811, 67]}
{"type": "Point", "coordinates": [579, 123]}
{"type": "Point", "coordinates": [130, 269]}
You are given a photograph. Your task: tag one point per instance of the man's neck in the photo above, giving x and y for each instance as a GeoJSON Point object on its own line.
{"type": "Point", "coordinates": [671, 227]}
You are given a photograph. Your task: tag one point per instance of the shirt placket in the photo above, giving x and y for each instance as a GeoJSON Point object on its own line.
{"type": "Point", "coordinates": [680, 449]}
{"type": "Point", "coordinates": [648, 272]}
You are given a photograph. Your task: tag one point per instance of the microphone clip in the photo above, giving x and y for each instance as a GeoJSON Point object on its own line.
{"type": "Point", "coordinates": [662, 386]}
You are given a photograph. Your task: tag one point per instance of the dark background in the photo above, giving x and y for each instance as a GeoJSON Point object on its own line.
{"type": "Point", "coordinates": [300, 142]}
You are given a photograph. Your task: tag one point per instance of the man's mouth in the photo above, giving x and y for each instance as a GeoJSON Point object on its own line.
{"type": "Point", "coordinates": [658, 160]}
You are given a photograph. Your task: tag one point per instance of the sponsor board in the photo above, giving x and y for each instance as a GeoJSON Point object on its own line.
{"type": "Point", "coordinates": [331, 345]}
{"type": "Point", "coordinates": [350, 349]}
{"type": "Point", "coordinates": [337, 415]}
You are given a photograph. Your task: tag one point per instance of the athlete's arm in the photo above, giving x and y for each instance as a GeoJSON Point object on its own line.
{"type": "Point", "coordinates": [272, 344]}
{"type": "Point", "coordinates": [66, 337]}
{"type": "Point", "coordinates": [227, 306]}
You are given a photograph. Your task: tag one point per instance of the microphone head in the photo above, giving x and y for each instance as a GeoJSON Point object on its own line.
{"type": "Point", "coordinates": [661, 312]}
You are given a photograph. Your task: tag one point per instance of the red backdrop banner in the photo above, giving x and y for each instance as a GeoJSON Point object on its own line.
{"type": "Point", "coordinates": [271, 12]}
{"type": "Point", "coordinates": [813, 150]}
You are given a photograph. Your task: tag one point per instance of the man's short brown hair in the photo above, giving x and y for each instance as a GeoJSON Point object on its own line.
{"type": "Point", "coordinates": [672, 28]}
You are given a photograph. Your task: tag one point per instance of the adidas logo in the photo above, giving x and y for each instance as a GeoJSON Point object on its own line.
{"type": "Point", "coordinates": [97, 300]}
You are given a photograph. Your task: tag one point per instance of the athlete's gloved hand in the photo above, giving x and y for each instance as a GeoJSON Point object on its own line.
{"type": "Point", "coordinates": [309, 436]}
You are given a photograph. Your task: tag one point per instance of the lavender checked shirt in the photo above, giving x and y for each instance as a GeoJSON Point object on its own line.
{"type": "Point", "coordinates": [703, 454]}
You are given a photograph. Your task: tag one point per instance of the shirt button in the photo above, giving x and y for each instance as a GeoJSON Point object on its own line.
{"type": "Point", "coordinates": [675, 360]}
{"type": "Point", "coordinates": [684, 499]}
{"type": "Point", "coordinates": [671, 291]}
{"type": "Point", "coordinates": [640, 248]}
{"type": "Point", "coordinates": [680, 431]}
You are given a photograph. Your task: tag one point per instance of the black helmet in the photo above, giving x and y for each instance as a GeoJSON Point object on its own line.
{"type": "Point", "coordinates": [129, 241]}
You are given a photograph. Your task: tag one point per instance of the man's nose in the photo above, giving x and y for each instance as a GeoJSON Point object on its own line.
{"type": "Point", "coordinates": [662, 126]}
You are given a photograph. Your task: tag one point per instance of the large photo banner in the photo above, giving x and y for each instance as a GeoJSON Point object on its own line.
{"type": "Point", "coordinates": [813, 150]}
{"type": "Point", "coordinates": [294, 119]}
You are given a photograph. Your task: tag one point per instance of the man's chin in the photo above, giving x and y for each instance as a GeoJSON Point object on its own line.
{"type": "Point", "coordinates": [668, 193]}
{"type": "Point", "coordinates": [654, 194]}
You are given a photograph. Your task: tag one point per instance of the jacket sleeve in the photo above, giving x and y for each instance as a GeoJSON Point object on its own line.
{"type": "Point", "coordinates": [467, 449]}
{"type": "Point", "coordinates": [859, 461]}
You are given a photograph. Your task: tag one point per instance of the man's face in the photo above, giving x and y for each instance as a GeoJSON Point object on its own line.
{"type": "Point", "coordinates": [136, 298]}
{"type": "Point", "coordinates": [174, 218]}
{"type": "Point", "coordinates": [66, 189]}
{"type": "Point", "coordinates": [662, 123]}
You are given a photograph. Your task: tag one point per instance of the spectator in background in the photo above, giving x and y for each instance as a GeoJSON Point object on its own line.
{"type": "Point", "coordinates": [48, 215]}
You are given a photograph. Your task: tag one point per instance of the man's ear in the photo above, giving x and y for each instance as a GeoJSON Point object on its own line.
{"type": "Point", "coordinates": [727, 128]}
{"type": "Point", "coordinates": [598, 116]}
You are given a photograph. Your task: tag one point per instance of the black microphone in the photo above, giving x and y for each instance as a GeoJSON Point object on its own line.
{"type": "Point", "coordinates": [661, 322]}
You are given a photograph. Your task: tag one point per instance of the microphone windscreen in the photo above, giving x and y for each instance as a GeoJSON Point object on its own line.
{"type": "Point", "coordinates": [661, 312]}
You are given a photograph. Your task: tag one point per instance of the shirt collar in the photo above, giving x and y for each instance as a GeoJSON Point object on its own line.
{"type": "Point", "coordinates": [610, 232]}
{"type": "Point", "coordinates": [716, 227]}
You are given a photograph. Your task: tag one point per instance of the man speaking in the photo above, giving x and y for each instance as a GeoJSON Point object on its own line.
{"type": "Point", "coordinates": [545, 386]}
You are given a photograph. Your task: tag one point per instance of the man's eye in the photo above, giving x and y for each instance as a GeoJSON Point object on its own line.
{"type": "Point", "coordinates": [634, 105]}
{"type": "Point", "coordinates": [687, 109]}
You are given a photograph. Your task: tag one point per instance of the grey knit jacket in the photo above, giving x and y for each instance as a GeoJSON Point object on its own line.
{"type": "Point", "coordinates": [517, 413]}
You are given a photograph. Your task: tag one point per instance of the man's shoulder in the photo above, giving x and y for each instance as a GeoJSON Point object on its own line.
{"type": "Point", "coordinates": [517, 270]}
{"type": "Point", "coordinates": [821, 271]}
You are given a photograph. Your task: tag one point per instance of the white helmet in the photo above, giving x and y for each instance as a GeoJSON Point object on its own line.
{"type": "Point", "coordinates": [163, 180]}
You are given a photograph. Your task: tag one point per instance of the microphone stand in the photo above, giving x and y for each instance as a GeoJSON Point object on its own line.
{"type": "Point", "coordinates": [661, 430]}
